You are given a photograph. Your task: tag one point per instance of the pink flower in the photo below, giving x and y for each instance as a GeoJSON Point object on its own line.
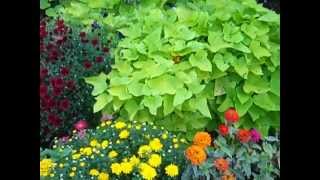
{"type": "Point", "coordinates": [81, 125]}
{"type": "Point", "coordinates": [255, 135]}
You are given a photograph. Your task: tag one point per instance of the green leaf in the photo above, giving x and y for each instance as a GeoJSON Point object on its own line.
{"type": "Point", "coordinates": [101, 101]}
{"type": "Point", "coordinates": [218, 87]}
{"type": "Point", "coordinates": [123, 67]}
{"type": "Point", "coordinates": [132, 108]}
{"type": "Point", "coordinates": [51, 12]}
{"type": "Point", "coordinates": [240, 66]}
{"type": "Point", "coordinates": [164, 84]}
{"type": "Point", "coordinates": [258, 50]}
{"type": "Point", "coordinates": [221, 63]}
{"type": "Point", "coordinates": [167, 105]}
{"type": "Point", "coordinates": [202, 106]}
{"type": "Point", "coordinates": [227, 103]}
{"type": "Point", "coordinates": [133, 32]}
{"type": "Point", "coordinates": [243, 108]}
{"type": "Point", "coordinates": [153, 103]}
{"type": "Point", "coordinates": [265, 101]}
{"type": "Point", "coordinates": [275, 82]}
{"type": "Point", "coordinates": [153, 41]}
{"type": "Point", "coordinates": [120, 91]}
{"type": "Point", "coordinates": [201, 61]}
{"type": "Point", "coordinates": [242, 96]}
{"type": "Point", "coordinates": [270, 17]}
{"type": "Point", "coordinates": [255, 84]}
{"type": "Point", "coordinates": [195, 87]}
{"type": "Point", "coordinates": [97, 3]}
{"type": "Point", "coordinates": [135, 88]}
{"type": "Point", "coordinates": [99, 83]}
{"type": "Point", "coordinates": [216, 42]}
{"type": "Point", "coordinates": [44, 4]}
{"type": "Point", "coordinates": [255, 112]}
{"type": "Point", "coordinates": [181, 95]}
{"type": "Point", "coordinates": [117, 103]}
{"type": "Point", "coordinates": [241, 47]}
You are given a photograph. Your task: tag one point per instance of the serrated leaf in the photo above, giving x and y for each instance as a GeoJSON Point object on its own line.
{"type": "Point", "coordinates": [201, 61]}
{"type": "Point", "coordinates": [153, 103]}
{"type": "Point", "coordinates": [132, 108]}
{"type": "Point", "coordinates": [120, 91]}
{"type": "Point", "coordinates": [135, 88]}
{"type": "Point", "coordinates": [181, 95]}
{"type": "Point", "coordinates": [99, 83]}
{"type": "Point", "coordinates": [255, 84]}
{"type": "Point", "coordinates": [153, 41]}
{"type": "Point", "coordinates": [101, 101]}
{"type": "Point", "coordinates": [216, 42]}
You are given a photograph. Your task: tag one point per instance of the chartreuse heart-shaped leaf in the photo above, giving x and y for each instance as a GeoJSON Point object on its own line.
{"type": "Point", "coordinates": [200, 61]}
{"type": "Point", "coordinates": [256, 84]}
{"type": "Point", "coordinates": [101, 101]}
{"type": "Point", "coordinates": [153, 103]}
{"type": "Point", "coordinates": [182, 94]}
{"type": "Point", "coordinates": [99, 83]}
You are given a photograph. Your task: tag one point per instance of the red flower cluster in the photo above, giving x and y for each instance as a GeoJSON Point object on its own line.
{"type": "Point", "coordinates": [244, 135]}
{"type": "Point", "coordinates": [231, 115]}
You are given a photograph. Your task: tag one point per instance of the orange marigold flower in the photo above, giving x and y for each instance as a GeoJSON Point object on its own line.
{"type": "Point", "coordinates": [221, 164]}
{"type": "Point", "coordinates": [228, 177]}
{"type": "Point", "coordinates": [196, 154]}
{"type": "Point", "coordinates": [202, 139]}
{"type": "Point", "coordinates": [244, 135]}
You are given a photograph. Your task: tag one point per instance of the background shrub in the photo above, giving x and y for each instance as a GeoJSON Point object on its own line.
{"type": "Point", "coordinates": [66, 57]}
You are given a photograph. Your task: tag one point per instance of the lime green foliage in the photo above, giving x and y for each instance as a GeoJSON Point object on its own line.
{"type": "Point", "coordinates": [182, 67]}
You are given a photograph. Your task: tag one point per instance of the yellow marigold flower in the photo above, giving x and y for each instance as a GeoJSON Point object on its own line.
{"type": "Point", "coordinates": [172, 170]}
{"type": "Point", "coordinates": [124, 134]}
{"type": "Point", "coordinates": [87, 151]}
{"type": "Point", "coordinates": [120, 125]}
{"type": "Point", "coordinates": [147, 172]}
{"type": "Point", "coordinates": [154, 160]}
{"type": "Point", "coordinates": [103, 176]}
{"type": "Point", "coordinates": [134, 160]}
{"type": "Point", "coordinates": [104, 144]}
{"type": "Point", "coordinates": [112, 154]}
{"type": "Point", "coordinates": [94, 172]}
{"type": "Point", "coordinates": [103, 124]}
{"type": "Point", "coordinates": [175, 140]}
{"type": "Point", "coordinates": [108, 122]}
{"type": "Point", "coordinates": [145, 149]}
{"type": "Point", "coordinates": [155, 144]}
{"type": "Point", "coordinates": [116, 168]}
{"type": "Point", "coordinates": [176, 146]}
{"type": "Point", "coordinates": [126, 167]}
{"type": "Point", "coordinates": [45, 167]}
{"type": "Point", "coordinates": [76, 156]}
{"type": "Point", "coordinates": [71, 174]}
{"type": "Point", "coordinates": [93, 143]}
{"type": "Point", "coordinates": [82, 164]}
{"type": "Point", "coordinates": [164, 136]}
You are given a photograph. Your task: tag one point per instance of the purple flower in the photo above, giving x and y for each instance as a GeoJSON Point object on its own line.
{"type": "Point", "coordinates": [255, 135]}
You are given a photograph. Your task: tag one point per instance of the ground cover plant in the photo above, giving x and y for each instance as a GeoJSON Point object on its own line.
{"type": "Point", "coordinates": [67, 55]}
{"type": "Point", "coordinates": [115, 150]}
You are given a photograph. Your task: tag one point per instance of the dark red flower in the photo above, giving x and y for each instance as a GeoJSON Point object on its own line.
{"type": "Point", "coordinates": [57, 83]}
{"type": "Point", "coordinates": [43, 73]}
{"type": "Point", "coordinates": [71, 85]}
{"type": "Point", "coordinates": [105, 49]}
{"type": "Point", "coordinates": [223, 129]}
{"type": "Point", "coordinates": [57, 91]}
{"type": "Point", "coordinates": [81, 125]}
{"type": "Point", "coordinates": [82, 34]}
{"type": "Point", "coordinates": [53, 55]}
{"type": "Point", "coordinates": [54, 120]}
{"type": "Point", "coordinates": [43, 90]}
{"type": "Point", "coordinates": [64, 104]}
{"type": "Point", "coordinates": [99, 59]}
{"type": "Point", "coordinates": [87, 64]}
{"type": "Point", "coordinates": [94, 42]}
{"type": "Point", "coordinates": [51, 46]}
{"type": "Point", "coordinates": [50, 103]}
{"type": "Point", "coordinates": [64, 71]}
{"type": "Point", "coordinates": [231, 115]}
{"type": "Point", "coordinates": [84, 40]}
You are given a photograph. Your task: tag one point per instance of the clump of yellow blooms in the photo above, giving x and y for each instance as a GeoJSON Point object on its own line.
{"type": "Point", "coordinates": [104, 144]}
{"type": "Point", "coordinates": [147, 172]}
{"type": "Point", "coordinates": [45, 167]}
{"type": "Point", "coordinates": [155, 144]}
{"type": "Point", "coordinates": [134, 160]}
{"type": "Point", "coordinates": [143, 150]}
{"type": "Point", "coordinates": [154, 160]}
{"type": "Point", "coordinates": [124, 134]}
{"type": "Point", "coordinates": [126, 167]}
{"type": "Point", "coordinates": [112, 154]}
{"type": "Point", "coordinates": [120, 125]}
{"type": "Point", "coordinates": [116, 168]}
{"type": "Point", "coordinates": [103, 176]}
{"type": "Point", "coordinates": [172, 170]}
{"type": "Point", "coordinates": [94, 172]}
